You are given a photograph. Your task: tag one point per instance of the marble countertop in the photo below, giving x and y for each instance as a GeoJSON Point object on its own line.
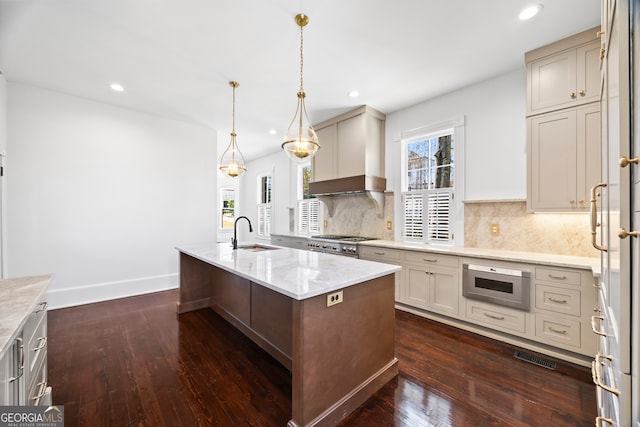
{"type": "Point", "coordinates": [584, 263]}
{"type": "Point", "coordinates": [18, 299]}
{"type": "Point", "coordinates": [299, 274]}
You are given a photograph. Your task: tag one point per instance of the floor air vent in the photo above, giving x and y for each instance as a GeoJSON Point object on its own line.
{"type": "Point", "coordinates": [535, 360]}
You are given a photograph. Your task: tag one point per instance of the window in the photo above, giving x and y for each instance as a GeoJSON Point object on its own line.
{"type": "Point", "coordinates": [309, 210]}
{"type": "Point", "coordinates": [264, 205]}
{"type": "Point", "coordinates": [428, 186]}
{"type": "Point", "coordinates": [227, 213]}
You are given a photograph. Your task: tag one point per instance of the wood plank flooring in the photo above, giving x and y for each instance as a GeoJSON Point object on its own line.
{"type": "Point", "coordinates": [134, 362]}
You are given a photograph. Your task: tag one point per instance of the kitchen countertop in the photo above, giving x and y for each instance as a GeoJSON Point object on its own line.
{"type": "Point", "coordinates": [18, 299]}
{"type": "Point", "coordinates": [585, 263]}
{"type": "Point", "coordinates": [299, 274]}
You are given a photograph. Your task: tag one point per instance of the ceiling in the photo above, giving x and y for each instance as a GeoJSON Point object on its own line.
{"type": "Point", "coordinates": [176, 57]}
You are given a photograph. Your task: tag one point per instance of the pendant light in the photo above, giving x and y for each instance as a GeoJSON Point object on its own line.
{"type": "Point", "coordinates": [300, 141]}
{"type": "Point", "coordinates": [232, 160]}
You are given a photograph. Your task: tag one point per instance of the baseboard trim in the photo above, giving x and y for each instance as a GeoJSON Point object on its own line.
{"type": "Point", "coordinates": [88, 294]}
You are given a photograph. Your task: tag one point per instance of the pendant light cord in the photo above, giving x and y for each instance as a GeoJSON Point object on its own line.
{"type": "Point", "coordinates": [301, 59]}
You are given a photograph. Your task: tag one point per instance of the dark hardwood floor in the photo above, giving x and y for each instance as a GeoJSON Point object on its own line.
{"type": "Point", "coordinates": [134, 362]}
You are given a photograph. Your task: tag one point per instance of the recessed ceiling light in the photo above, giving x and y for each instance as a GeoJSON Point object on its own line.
{"type": "Point", "coordinates": [117, 87]}
{"type": "Point", "coordinates": [272, 132]}
{"type": "Point", "coordinates": [354, 94]}
{"type": "Point", "coordinates": [529, 12]}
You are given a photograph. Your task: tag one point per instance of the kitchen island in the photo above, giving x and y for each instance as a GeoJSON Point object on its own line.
{"type": "Point", "coordinates": [328, 319]}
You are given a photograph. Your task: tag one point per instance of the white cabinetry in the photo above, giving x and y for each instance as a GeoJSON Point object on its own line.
{"type": "Point", "coordinates": [11, 373]}
{"type": "Point", "coordinates": [23, 342]}
{"type": "Point", "coordinates": [432, 282]}
{"type": "Point", "coordinates": [35, 355]}
{"type": "Point", "coordinates": [563, 123]}
{"type": "Point", "coordinates": [558, 322]}
{"type": "Point", "coordinates": [567, 78]}
{"type": "Point", "coordinates": [564, 303]}
{"type": "Point", "coordinates": [351, 144]}
{"type": "Point", "coordinates": [564, 158]}
{"type": "Point", "coordinates": [296, 242]}
{"type": "Point", "coordinates": [388, 256]}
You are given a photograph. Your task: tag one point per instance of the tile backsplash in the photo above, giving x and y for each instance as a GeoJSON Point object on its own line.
{"type": "Point", "coordinates": [561, 234]}
{"type": "Point", "coordinates": [355, 215]}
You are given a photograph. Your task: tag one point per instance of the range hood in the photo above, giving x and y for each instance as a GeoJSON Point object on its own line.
{"type": "Point", "coordinates": [372, 187]}
{"type": "Point", "coordinates": [351, 160]}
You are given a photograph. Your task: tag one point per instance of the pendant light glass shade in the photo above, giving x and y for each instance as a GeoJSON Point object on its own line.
{"type": "Point", "coordinates": [300, 141]}
{"type": "Point", "coordinates": [232, 161]}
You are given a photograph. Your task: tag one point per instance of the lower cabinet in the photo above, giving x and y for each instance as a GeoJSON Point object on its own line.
{"type": "Point", "coordinates": [388, 256]}
{"type": "Point", "coordinates": [432, 288]}
{"type": "Point", "coordinates": [295, 242]}
{"type": "Point", "coordinates": [23, 368]}
{"type": "Point", "coordinates": [11, 375]}
{"type": "Point", "coordinates": [558, 321]}
{"type": "Point", "coordinates": [35, 355]}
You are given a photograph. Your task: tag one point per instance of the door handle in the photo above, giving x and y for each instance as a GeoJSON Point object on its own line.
{"type": "Point", "coordinates": [594, 216]}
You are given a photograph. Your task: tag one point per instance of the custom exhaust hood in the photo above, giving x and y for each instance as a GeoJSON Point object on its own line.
{"type": "Point", "coordinates": [351, 158]}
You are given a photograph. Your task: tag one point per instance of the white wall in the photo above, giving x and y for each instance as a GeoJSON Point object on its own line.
{"type": "Point", "coordinates": [281, 169]}
{"type": "Point", "coordinates": [495, 166]}
{"type": "Point", "coordinates": [99, 195]}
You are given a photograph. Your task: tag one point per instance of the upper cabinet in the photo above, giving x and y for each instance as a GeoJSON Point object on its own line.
{"type": "Point", "coordinates": [351, 144]}
{"type": "Point", "coordinates": [564, 74]}
{"type": "Point", "coordinates": [563, 123]}
{"type": "Point", "coordinates": [564, 158]}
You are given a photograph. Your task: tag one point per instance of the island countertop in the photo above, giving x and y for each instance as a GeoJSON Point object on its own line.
{"type": "Point", "coordinates": [299, 274]}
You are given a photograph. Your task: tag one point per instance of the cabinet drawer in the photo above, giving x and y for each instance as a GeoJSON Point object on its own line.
{"type": "Point", "coordinates": [431, 259]}
{"type": "Point", "coordinates": [567, 277]}
{"type": "Point", "coordinates": [552, 330]}
{"type": "Point", "coordinates": [556, 299]}
{"type": "Point", "coordinates": [35, 343]}
{"type": "Point", "coordinates": [496, 317]}
{"type": "Point", "coordinates": [367, 252]}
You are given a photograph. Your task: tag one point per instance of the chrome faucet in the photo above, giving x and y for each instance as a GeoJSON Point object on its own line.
{"type": "Point", "coordinates": [234, 240]}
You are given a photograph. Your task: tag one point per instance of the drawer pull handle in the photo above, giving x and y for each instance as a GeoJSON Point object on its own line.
{"type": "Point", "coordinates": [558, 277]}
{"type": "Point", "coordinates": [42, 390]}
{"type": "Point", "coordinates": [429, 260]}
{"type": "Point", "coordinates": [379, 253]}
{"type": "Point", "coordinates": [42, 343]}
{"type": "Point", "coordinates": [21, 360]}
{"type": "Point", "coordinates": [557, 331]}
{"type": "Point", "coordinates": [599, 421]}
{"type": "Point", "coordinates": [596, 374]}
{"type": "Point", "coordinates": [558, 301]}
{"type": "Point", "coordinates": [594, 327]}
{"type": "Point", "coordinates": [491, 316]}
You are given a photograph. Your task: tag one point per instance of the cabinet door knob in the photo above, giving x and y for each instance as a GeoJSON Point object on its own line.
{"type": "Point", "coordinates": [599, 33]}
{"type": "Point", "coordinates": [623, 234]}
{"type": "Point", "coordinates": [572, 95]}
{"type": "Point", "coordinates": [625, 161]}
{"type": "Point", "coordinates": [573, 202]}
{"type": "Point", "coordinates": [582, 92]}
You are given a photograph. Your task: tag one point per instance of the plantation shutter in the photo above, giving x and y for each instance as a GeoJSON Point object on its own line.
{"type": "Point", "coordinates": [439, 215]}
{"type": "Point", "coordinates": [413, 223]}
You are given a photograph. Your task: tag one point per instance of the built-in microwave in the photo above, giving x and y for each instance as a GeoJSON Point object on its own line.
{"type": "Point", "coordinates": [502, 286]}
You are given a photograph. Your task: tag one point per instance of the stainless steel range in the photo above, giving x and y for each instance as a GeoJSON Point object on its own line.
{"type": "Point", "coordinates": [338, 245]}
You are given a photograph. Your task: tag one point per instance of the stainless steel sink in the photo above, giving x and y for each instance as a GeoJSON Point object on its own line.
{"type": "Point", "coordinates": [257, 248]}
